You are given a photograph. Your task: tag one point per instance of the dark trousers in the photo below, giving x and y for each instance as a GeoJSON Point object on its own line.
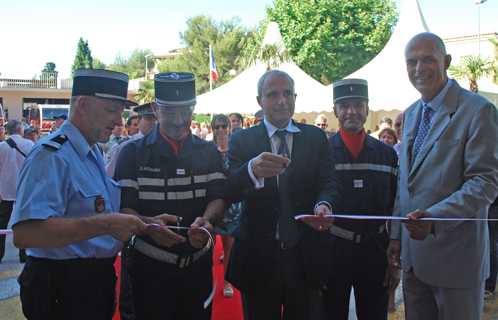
{"type": "Point", "coordinates": [161, 290]}
{"type": "Point", "coordinates": [287, 287]}
{"type": "Point", "coordinates": [125, 302]}
{"type": "Point", "coordinates": [80, 289]}
{"type": "Point", "coordinates": [363, 267]}
{"type": "Point", "coordinates": [493, 249]}
{"type": "Point", "coordinates": [5, 213]}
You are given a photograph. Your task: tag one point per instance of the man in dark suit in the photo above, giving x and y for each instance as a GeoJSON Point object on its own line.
{"type": "Point", "coordinates": [448, 168]}
{"type": "Point", "coordinates": [280, 169]}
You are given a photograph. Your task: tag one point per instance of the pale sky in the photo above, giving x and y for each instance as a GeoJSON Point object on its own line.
{"type": "Point", "coordinates": [35, 32]}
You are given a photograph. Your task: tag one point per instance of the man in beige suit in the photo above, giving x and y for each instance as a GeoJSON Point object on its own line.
{"type": "Point", "coordinates": [448, 168]}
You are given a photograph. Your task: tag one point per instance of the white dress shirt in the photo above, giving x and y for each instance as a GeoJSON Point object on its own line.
{"type": "Point", "coordinates": [10, 165]}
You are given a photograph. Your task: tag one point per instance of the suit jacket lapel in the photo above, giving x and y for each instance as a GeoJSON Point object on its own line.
{"type": "Point", "coordinates": [441, 121]}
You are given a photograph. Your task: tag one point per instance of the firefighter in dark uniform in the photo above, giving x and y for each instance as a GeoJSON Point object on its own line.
{"type": "Point", "coordinates": [171, 177]}
{"type": "Point", "coordinates": [367, 169]}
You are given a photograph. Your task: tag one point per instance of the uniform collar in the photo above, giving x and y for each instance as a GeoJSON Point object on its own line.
{"type": "Point", "coordinates": [75, 137]}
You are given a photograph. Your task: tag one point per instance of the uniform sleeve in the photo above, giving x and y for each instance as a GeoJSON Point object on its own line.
{"type": "Point", "coordinates": [47, 168]}
{"type": "Point", "coordinates": [126, 175]}
{"type": "Point", "coordinates": [216, 177]}
{"type": "Point", "coordinates": [111, 158]}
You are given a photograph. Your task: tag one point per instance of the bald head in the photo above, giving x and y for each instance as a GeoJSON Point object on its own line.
{"type": "Point", "coordinates": [426, 64]}
{"type": "Point", "coordinates": [436, 41]}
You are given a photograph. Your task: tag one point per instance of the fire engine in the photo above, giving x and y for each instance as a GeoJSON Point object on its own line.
{"type": "Point", "coordinates": [43, 114]}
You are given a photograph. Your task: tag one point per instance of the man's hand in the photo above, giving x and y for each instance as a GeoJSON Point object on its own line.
{"type": "Point", "coordinates": [124, 226]}
{"type": "Point", "coordinates": [321, 223]}
{"type": "Point", "coordinates": [394, 253]}
{"type": "Point", "coordinates": [164, 236]}
{"type": "Point", "coordinates": [391, 281]}
{"type": "Point", "coordinates": [268, 165]}
{"type": "Point", "coordinates": [198, 238]}
{"type": "Point", "coordinates": [418, 229]}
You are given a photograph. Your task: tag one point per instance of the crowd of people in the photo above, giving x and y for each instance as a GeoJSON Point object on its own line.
{"type": "Point", "coordinates": [303, 213]}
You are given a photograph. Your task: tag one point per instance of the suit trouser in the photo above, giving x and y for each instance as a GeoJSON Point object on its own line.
{"type": "Point", "coordinates": [5, 213]}
{"type": "Point", "coordinates": [361, 266]}
{"type": "Point", "coordinates": [287, 286]}
{"type": "Point", "coordinates": [423, 301]}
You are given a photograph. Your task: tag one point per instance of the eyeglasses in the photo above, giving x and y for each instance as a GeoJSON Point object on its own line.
{"type": "Point", "coordinates": [218, 126]}
{"type": "Point", "coordinates": [321, 124]}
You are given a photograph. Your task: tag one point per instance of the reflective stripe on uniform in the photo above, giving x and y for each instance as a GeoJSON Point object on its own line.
{"type": "Point", "coordinates": [179, 181]}
{"type": "Point", "coordinates": [209, 177]}
{"type": "Point", "coordinates": [128, 183]}
{"type": "Point", "coordinates": [197, 179]}
{"type": "Point", "coordinates": [151, 195]}
{"type": "Point", "coordinates": [151, 182]}
{"type": "Point", "coordinates": [366, 166]}
{"type": "Point", "coordinates": [186, 194]}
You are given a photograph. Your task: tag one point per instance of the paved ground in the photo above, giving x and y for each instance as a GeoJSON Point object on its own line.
{"type": "Point", "coordinates": [10, 305]}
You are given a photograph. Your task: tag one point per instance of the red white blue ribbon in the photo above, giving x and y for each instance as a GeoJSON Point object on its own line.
{"type": "Point", "coordinates": [363, 217]}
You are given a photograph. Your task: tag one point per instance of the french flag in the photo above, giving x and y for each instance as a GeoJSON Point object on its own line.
{"type": "Point", "coordinates": [214, 72]}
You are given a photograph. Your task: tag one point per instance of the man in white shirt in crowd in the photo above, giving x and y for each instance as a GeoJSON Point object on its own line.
{"type": "Point", "coordinates": [12, 154]}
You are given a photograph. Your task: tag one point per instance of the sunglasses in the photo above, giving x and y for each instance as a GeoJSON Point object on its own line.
{"type": "Point", "coordinates": [218, 126]}
{"type": "Point", "coordinates": [321, 124]}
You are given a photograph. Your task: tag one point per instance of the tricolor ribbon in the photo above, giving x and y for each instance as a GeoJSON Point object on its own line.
{"type": "Point", "coordinates": [360, 217]}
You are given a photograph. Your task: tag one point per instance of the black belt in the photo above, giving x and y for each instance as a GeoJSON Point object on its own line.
{"type": "Point", "coordinates": [357, 237]}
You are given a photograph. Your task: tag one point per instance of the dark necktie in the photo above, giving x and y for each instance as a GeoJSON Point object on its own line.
{"type": "Point", "coordinates": [287, 223]}
{"type": "Point", "coordinates": [423, 129]}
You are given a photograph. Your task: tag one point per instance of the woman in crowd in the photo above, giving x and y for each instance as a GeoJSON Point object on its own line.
{"type": "Point", "coordinates": [388, 136]}
{"type": "Point", "coordinates": [221, 126]}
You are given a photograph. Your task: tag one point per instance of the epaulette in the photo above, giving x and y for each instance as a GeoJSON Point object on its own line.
{"type": "Point", "coordinates": [56, 142]}
{"type": "Point", "coordinates": [122, 139]}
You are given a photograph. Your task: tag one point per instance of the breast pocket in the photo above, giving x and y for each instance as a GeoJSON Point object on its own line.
{"type": "Point", "coordinates": [89, 200]}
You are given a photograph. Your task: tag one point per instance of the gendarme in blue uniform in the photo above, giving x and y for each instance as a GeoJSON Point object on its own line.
{"type": "Point", "coordinates": [369, 188]}
{"type": "Point", "coordinates": [60, 178]}
{"type": "Point", "coordinates": [154, 181]}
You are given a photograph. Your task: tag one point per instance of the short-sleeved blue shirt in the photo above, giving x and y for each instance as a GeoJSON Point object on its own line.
{"type": "Point", "coordinates": [65, 182]}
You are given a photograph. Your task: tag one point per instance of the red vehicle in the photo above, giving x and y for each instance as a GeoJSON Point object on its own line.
{"type": "Point", "coordinates": [43, 114]}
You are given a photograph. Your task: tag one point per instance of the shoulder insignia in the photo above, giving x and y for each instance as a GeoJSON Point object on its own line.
{"type": "Point", "coordinates": [56, 142]}
{"type": "Point", "coordinates": [123, 139]}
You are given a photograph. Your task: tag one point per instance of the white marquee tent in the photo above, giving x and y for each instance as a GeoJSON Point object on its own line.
{"type": "Point", "coordinates": [239, 94]}
{"type": "Point", "coordinates": [388, 85]}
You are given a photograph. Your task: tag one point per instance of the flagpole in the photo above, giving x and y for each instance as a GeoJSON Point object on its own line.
{"type": "Point", "coordinates": [210, 73]}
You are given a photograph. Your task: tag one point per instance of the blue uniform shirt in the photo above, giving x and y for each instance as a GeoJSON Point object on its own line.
{"type": "Point", "coordinates": [65, 182]}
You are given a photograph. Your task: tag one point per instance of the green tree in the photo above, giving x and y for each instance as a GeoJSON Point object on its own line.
{"type": "Point", "coordinates": [473, 68]}
{"type": "Point", "coordinates": [145, 93]}
{"type": "Point", "coordinates": [83, 59]}
{"type": "Point", "coordinates": [271, 54]}
{"type": "Point", "coordinates": [97, 64]}
{"type": "Point", "coordinates": [134, 64]}
{"type": "Point", "coordinates": [330, 39]}
{"type": "Point", "coordinates": [49, 68]}
{"type": "Point", "coordinates": [227, 38]}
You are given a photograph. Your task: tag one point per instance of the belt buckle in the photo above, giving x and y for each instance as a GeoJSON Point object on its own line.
{"type": "Point", "coordinates": [360, 237]}
{"type": "Point", "coordinates": [184, 261]}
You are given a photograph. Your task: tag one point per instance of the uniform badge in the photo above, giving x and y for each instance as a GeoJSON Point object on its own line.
{"type": "Point", "coordinates": [99, 204]}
